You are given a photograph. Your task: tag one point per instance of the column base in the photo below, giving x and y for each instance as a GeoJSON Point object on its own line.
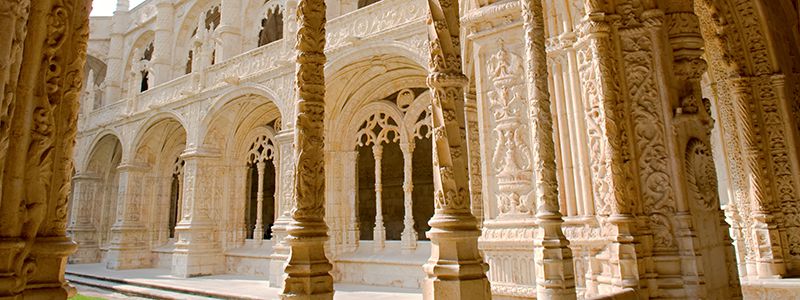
{"type": "Point", "coordinates": [307, 269]}
{"type": "Point", "coordinates": [50, 257]}
{"type": "Point", "coordinates": [123, 258]}
{"type": "Point", "coordinates": [455, 269]}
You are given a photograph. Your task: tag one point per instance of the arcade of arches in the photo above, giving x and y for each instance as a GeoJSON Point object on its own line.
{"type": "Point", "coordinates": [474, 149]}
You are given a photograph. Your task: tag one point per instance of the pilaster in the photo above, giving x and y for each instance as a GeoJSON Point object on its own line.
{"type": "Point", "coordinates": [115, 72]}
{"type": "Point", "coordinates": [82, 229]}
{"type": "Point", "coordinates": [280, 252]}
{"type": "Point", "coordinates": [162, 56]}
{"type": "Point", "coordinates": [197, 247]}
{"type": "Point", "coordinates": [230, 30]}
{"type": "Point", "coordinates": [128, 246]}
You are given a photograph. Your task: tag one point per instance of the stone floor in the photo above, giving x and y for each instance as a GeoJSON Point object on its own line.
{"type": "Point", "coordinates": [96, 280]}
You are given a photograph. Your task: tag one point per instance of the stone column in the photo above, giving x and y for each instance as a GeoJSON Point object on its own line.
{"type": "Point", "coordinates": [769, 260]}
{"type": "Point", "coordinates": [552, 255]}
{"type": "Point", "coordinates": [409, 235]}
{"type": "Point", "coordinates": [308, 269]}
{"type": "Point", "coordinates": [379, 231]}
{"type": "Point", "coordinates": [162, 47]}
{"type": "Point", "coordinates": [83, 229]}
{"type": "Point", "coordinates": [128, 246]}
{"type": "Point", "coordinates": [39, 109]}
{"type": "Point", "coordinates": [283, 142]}
{"type": "Point", "coordinates": [197, 250]}
{"type": "Point", "coordinates": [611, 186]}
{"type": "Point", "coordinates": [116, 67]}
{"type": "Point", "coordinates": [230, 30]}
{"type": "Point", "coordinates": [258, 231]}
{"type": "Point", "coordinates": [455, 269]}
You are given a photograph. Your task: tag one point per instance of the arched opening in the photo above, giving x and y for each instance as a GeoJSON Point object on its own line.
{"type": "Point", "coordinates": [160, 170]}
{"type": "Point", "coordinates": [260, 208]}
{"type": "Point", "coordinates": [95, 70]}
{"type": "Point", "coordinates": [271, 26]}
{"type": "Point", "coordinates": [203, 41]}
{"type": "Point", "coordinates": [146, 80]}
{"type": "Point", "coordinates": [175, 195]}
{"type": "Point", "coordinates": [94, 210]}
{"type": "Point", "coordinates": [423, 186]}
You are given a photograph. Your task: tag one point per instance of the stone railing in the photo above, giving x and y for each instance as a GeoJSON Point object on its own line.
{"type": "Point", "coordinates": [370, 21]}
{"type": "Point", "coordinates": [103, 116]}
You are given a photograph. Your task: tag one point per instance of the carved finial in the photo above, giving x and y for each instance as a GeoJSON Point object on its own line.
{"type": "Point", "coordinates": [123, 5]}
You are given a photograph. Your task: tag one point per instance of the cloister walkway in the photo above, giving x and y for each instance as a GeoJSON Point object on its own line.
{"type": "Point", "coordinates": [159, 282]}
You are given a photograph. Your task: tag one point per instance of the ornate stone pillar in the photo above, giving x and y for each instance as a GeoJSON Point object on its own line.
{"type": "Point", "coordinates": [455, 269]}
{"type": "Point", "coordinates": [409, 235]}
{"type": "Point", "coordinates": [197, 250]}
{"type": "Point", "coordinates": [552, 255]}
{"type": "Point", "coordinates": [379, 231]}
{"type": "Point", "coordinates": [769, 260]}
{"type": "Point", "coordinates": [42, 51]}
{"type": "Point", "coordinates": [612, 186]}
{"type": "Point", "coordinates": [82, 228]}
{"type": "Point", "coordinates": [700, 214]}
{"type": "Point", "coordinates": [162, 48]}
{"type": "Point", "coordinates": [229, 30]}
{"type": "Point", "coordinates": [283, 142]}
{"type": "Point", "coordinates": [116, 67]}
{"type": "Point", "coordinates": [258, 231]}
{"type": "Point", "coordinates": [308, 269]}
{"type": "Point", "coordinates": [128, 246]}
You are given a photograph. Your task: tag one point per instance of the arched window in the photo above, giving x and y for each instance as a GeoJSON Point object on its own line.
{"type": "Point", "coordinates": [271, 26]}
{"type": "Point", "coordinates": [147, 56]}
{"type": "Point", "coordinates": [363, 3]}
{"type": "Point", "coordinates": [175, 197]}
{"type": "Point", "coordinates": [260, 208]}
{"type": "Point", "coordinates": [211, 19]}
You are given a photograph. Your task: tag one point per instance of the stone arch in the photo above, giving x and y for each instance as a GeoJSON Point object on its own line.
{"type": "Point", "coordinates": [146, 125]}
{"type": "Point", "coordinates": [235, 94]}
{"type": "Point", "coordinates": [82, 161]}
{"type": "Point", "coordinates": [94, 199]}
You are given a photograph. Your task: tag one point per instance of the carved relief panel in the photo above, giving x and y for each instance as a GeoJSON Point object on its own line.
{"type": "Point", "coordinates": [504, 132]}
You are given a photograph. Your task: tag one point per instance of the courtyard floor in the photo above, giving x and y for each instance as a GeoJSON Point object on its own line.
{"type": "Point", "coordinates": [96, 280]}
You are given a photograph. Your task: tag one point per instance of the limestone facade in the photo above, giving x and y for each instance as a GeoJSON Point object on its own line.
{"type": "Point", "coordinates": [470, 149]}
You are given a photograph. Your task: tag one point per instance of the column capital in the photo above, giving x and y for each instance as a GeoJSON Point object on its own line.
{"type": "Point", "coordinates": [200, 153]}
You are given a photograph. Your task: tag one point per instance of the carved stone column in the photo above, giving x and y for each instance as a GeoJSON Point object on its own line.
{"type": "Point", "coordinates": [612, 186]}
{"type": "Point", "coordinates": [308, 269]}
{"type": "Point", "coordinates": [455, 269]}
{"type": "Point", "coordinates": [552, 256]}
{"type": "Point", "coordinates": [82, 228]}
{"type": "Point", "coordinates": [283, 142]}
{"type": "Point", "coordinates": [258, 230]}
{"type": "Point", "coordinates": [769, 260]}
{"type": "Point", "coordinates": [379, 231]}
{"type": "Point", "coordinates": [42, 51]}
{"type": "Point", "coordinates": [409, 235]}
{"type": "Point", "coordinates": [197, 249]}
{"type": "Point", "coordinates": [162, 47]}
{"type": "Point", "coordinates": [128, 246]}
{"type": "Point", "coordinates": [230, 30]}
{"type": "Point", "coordinates": [700, 215]}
